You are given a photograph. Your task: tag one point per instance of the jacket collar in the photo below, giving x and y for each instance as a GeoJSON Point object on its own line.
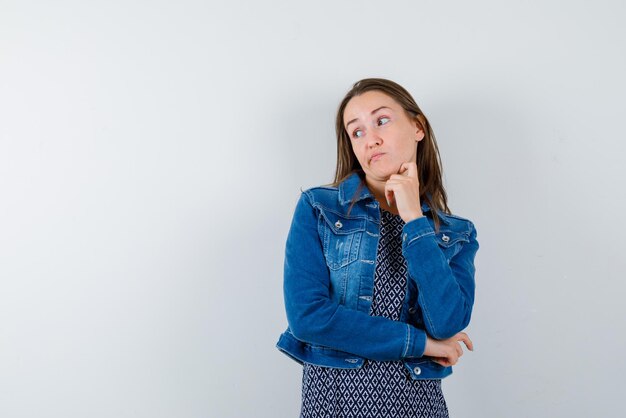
{"type": "Point", "coordinates": [349, 186]}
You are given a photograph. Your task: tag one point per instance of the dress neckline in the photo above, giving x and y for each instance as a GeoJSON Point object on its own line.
{"type": "Point", "coordinates": [388, 212]}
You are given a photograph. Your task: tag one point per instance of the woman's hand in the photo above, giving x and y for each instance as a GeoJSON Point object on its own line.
{"type": "Point", "coordinates": [403, 190]}
{"type": "Point", "coordinates": [447, 352]}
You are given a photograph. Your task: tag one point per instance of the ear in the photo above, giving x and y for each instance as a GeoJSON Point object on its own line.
{"type": "Point", "coordinates": [419, 133]}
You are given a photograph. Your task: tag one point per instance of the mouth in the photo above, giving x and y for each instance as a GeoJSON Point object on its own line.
{"type": "Point", "coordinates": [376, 156]}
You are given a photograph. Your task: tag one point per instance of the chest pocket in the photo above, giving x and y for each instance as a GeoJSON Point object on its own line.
{"type": "Point", "coordinates": [451, 242]}
{"type": "Point", "coordinates": [341, 238]}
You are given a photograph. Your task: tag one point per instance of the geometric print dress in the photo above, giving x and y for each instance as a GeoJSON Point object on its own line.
{"type": "Point", "coordinates": [379, 388]}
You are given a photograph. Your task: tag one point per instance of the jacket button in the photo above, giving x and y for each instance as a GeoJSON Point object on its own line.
{"type": "Point", "coordinates": [417, 370]}
{"type": "Point", "coordinates": [412, 310]}
{"type": "Point", "coordinates": [403, 237]}
{"type": "Point", "coordinates": [338, 224]}
{"type": "Point", "coordinates": [445, 238]}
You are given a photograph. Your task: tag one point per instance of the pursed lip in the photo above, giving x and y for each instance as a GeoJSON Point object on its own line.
{"type": "Point", "coordinates": [375, 154]}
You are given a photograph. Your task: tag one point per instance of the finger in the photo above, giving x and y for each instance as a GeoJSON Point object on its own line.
{"type": "Point", "coordinates": [459, 349]}
{"type": "Point", "coordinates": [451, 354]}
{"type": "Point", "coordinates": [452, 360]}
{"type": "Point", "coordinates": [398, 177]}
{"type": "Point", "coordinates": [466, 340]}
{"type": "Point", "coordinates": [403, 170]}
{"type": "Point", "coordinates": [389, 194]}
{"type": "Point", "coordinates": [469, 344]}
{"type": "Point", "coordinates": [412, 169]}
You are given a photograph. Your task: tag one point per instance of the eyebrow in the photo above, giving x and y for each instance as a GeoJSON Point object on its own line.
{"type": "Point", "coordinates": [373, 111]}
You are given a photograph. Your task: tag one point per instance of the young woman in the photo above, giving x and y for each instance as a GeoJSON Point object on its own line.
{"type": "Point", "coordinates": [379, 274]}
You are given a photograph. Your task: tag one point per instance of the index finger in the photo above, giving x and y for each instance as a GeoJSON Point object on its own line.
{"type": "Point", "coordinates": [468, 343]}
{"type": "Point", "coordinates": [408, 169]}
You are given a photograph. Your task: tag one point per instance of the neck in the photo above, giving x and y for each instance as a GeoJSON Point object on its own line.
{"type": "Point", "coordinates": [377, 187]}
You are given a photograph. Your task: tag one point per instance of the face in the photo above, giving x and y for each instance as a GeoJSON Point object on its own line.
{"type": "Point", "coordinates": [382, 134]}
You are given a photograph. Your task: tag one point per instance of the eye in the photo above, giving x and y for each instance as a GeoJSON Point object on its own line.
{"type": "Point", "coordinates": [357, 133]}
{"type": "Point", "coordinates": [383, 120]}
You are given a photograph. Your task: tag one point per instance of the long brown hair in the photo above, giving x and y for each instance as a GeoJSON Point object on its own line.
{"type": "Point", "coordinates": [429, 167]}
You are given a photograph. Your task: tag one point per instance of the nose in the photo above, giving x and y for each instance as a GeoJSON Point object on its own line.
{"type": "Point", "coordinates": [374, 140]}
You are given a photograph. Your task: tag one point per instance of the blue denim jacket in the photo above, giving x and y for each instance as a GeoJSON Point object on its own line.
{"type": "Point", "coordinates": [329, 270]}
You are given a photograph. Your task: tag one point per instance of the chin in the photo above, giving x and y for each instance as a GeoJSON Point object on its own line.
{"type": "Point", "coordinates": [381, 174]}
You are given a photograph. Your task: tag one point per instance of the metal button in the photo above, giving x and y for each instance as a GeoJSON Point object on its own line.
{"type": "Point", "coordinates": [445, 238]}
{"type": "Point", "coordinates": [417, 370]}
{"type": "Point", "coordinates": [338, 224]}
{"type": "Point", "coordinates": [403, 237]}
{"type": "Point", "coordinates": [412, 310]}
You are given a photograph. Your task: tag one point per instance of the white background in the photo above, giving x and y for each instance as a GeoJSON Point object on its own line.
{"type": "Point", "coordinates": [152, 152]}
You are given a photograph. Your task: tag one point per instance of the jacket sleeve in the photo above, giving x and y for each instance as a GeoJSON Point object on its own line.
{"type": "Point", "coordinates": [314, 318]}
{"type": "Point", "coordinates": [445, 291]}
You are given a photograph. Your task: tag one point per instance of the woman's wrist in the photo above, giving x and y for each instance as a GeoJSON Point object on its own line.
{"type": "Point", "coordinates": [413, 216]}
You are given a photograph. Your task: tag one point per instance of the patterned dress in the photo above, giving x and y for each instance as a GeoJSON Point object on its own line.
{"type": "Point", "coordinates": [377, 389]}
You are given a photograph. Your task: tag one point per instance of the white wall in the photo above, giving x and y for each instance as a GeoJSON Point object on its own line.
{"type": "Point", "coordinates": [151, 154]}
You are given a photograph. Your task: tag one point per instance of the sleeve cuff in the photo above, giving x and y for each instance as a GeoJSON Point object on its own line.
{"type": "Point", "coordinates": [415, 342]}
{"type": "Point", "coordinates": [415, 229]}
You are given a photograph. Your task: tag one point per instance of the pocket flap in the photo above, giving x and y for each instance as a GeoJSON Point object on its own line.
{"type": "Point", "coordinates": [342, 225]}
{"type": "Point", "coordinates": [449, 238]}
